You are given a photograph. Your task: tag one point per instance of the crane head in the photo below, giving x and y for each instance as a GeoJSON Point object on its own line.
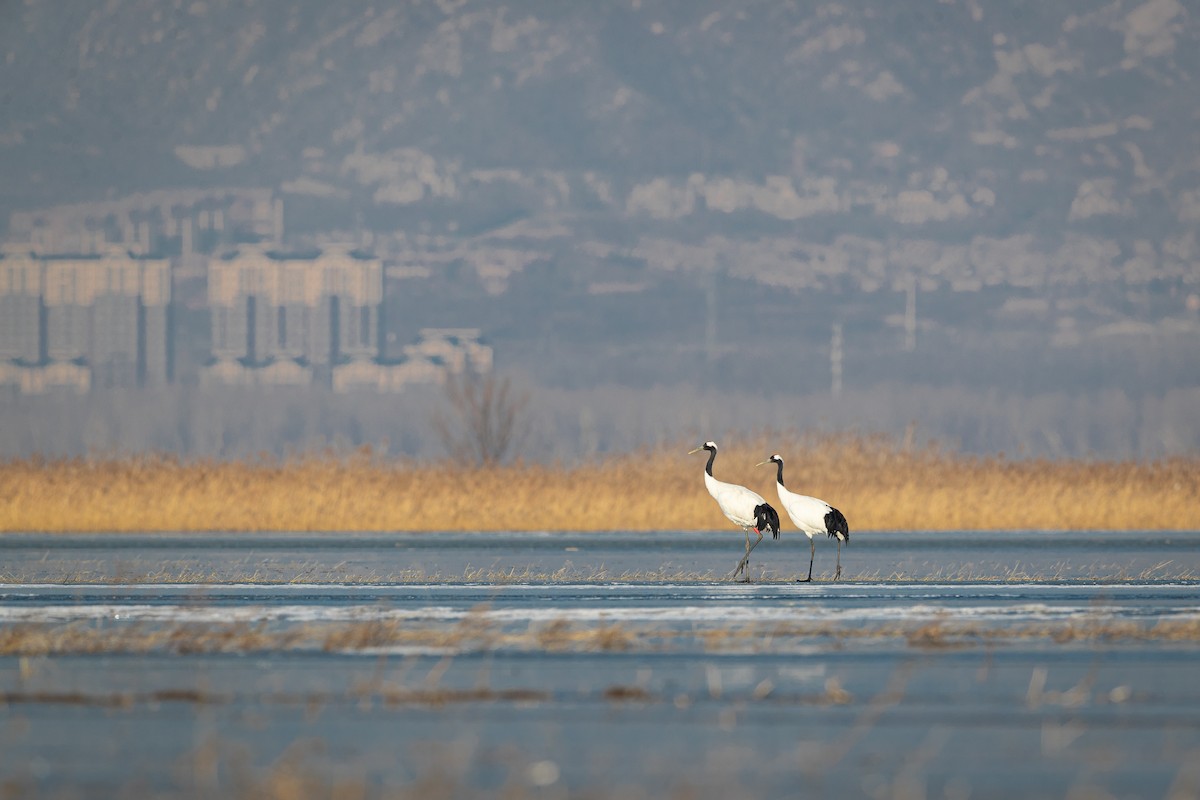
{"type": "Point", "coordinates": [709, 446]}
{"type": "Point", "coordinates": [775, 459]}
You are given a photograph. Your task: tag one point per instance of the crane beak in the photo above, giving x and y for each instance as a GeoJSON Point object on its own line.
{"type": "Point", "coordinates": [697, 450]}
{"type": "Point", "coordinates": [759, 464]}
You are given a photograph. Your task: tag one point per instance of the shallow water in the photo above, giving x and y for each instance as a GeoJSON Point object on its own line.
{"type": "Point", "coordinates": [946, 665]}
{"type": "Point", "coordinates": [672, 606]}
{"type": "Point", "coordinates": [355, 557]}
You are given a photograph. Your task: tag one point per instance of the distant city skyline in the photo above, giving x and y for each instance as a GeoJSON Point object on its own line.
{"type": "Point", "coordinates": [737, 206]}
{"type": "Point", "coordinates": [103, 318]}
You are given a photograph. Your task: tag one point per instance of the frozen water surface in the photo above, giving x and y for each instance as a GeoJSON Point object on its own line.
{"type": "Point", "coordinates": [384, 558]}
{"type": "Point", "coordinates": [617, 664]}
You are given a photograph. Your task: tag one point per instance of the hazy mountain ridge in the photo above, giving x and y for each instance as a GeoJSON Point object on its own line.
{"type": "Point", "coordinates": [878, 139]}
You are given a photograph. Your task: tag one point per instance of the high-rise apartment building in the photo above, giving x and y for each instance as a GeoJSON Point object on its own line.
{"type": "Point", "coordinates": [20, 309]}
{"type": "Point", "coordinates": [319, 308]}
{"type": "Point", "coordinates": [298, 318]}
{"type": "Point", "coordinates": [105, 313]}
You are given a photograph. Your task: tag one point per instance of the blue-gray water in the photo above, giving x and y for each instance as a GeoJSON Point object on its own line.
{"type": "Point", "coordinates": [678, 681]}
{"type": "Point", "coordinates": [387, 558]}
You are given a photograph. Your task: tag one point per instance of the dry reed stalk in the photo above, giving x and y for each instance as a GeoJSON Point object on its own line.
{"type": "Point", "coordinates": [560, 636]}
{"type": "Point", "coordinates": [877, 483]}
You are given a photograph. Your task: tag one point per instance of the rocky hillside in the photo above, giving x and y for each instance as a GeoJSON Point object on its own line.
{"type": "Point", "coordinates": [965, 143]}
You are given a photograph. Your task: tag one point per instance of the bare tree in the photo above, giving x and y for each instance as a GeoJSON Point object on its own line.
{"type": "Point", "coordinates": [482, 418]}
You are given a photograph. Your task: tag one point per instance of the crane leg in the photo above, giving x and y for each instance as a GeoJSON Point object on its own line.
{"type": "Point", "coordinates": [812, 554]}
{"type": "Point", "coordinates": [745, 559]}
{"type": "Point", "coordinates": [745, 562]}
{"type": "Point", "coordinates": [741, 565]}
{"type": "Point", "coordinates": [838, 574]}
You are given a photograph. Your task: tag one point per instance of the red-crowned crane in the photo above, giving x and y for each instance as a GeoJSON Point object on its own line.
{"type": "Point", "coordinates": [811, 516]}
{"type": "Point", "coordinates": [743, 507]}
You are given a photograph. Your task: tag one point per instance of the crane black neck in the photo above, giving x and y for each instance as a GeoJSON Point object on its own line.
{"type": "Point", "coordinates": [712, 455]}
{"type": "Point", "coordinates": [779, 474]}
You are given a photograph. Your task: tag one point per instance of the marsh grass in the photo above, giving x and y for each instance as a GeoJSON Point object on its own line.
{"type": "Point", "coordinates": [478, 634]}
{"type": "Point", "coordinates": [1059, 574]}
{"type": "Point", "coordinates": [877, 482]}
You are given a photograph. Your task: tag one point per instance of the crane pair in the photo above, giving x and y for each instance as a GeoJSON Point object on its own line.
{"type": "Point", "coordinates": [750, 512]}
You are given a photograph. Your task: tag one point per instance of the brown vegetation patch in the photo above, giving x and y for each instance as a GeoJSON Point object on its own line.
{"type": "Point", "coordinates": [480, 635]}
{"type": "Point", "coordinates": [627, 694]}
{"type": "Point", "coordinates": [877, 482]}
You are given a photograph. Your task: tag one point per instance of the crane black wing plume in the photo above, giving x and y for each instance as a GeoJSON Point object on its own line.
{"type": "Point", "coordinates": [835, 523]}
{"type": "Point", "coordinates": [767, 519]}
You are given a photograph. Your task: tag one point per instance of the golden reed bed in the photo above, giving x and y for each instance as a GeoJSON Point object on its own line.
{"type": "Point", "coordinates": [878, 484]}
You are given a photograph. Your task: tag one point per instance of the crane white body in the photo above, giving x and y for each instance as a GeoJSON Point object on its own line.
{"type": "Point", "coordinates": [737, 502]}
{"type": "Point", "coordinates": [806, 513]}
{"type": "Point", "coordinates": [741, 506]}
{"type": "Point", "coordinates": [812, 516]}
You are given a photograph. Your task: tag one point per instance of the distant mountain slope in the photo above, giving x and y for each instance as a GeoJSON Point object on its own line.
{"type": "Point", "coordinates": [905, 131]}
